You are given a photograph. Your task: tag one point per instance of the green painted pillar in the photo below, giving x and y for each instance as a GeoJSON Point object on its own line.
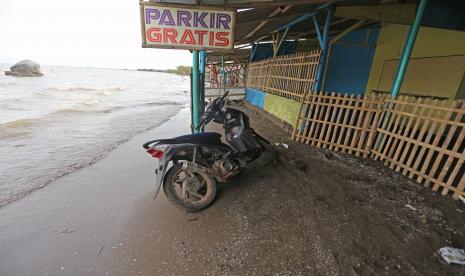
{"type": "Point", "coordinates": [408, 49]}
{"type": "Point", "coordinates": [195, 91]}
{"type": "Point", "coordinates": [403, 64]}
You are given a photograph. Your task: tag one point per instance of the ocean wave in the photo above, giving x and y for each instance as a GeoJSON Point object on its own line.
{"type": "Point", "coordinates": [9, 106]}
{"type": "Point", "coordinates": [155, 103]}
{"type": "Point", "coordinates": [21, 123]}
{"type": "Point", "coordinates": [18, 127]}
{"type": "Point", "coordinates": [66, 166]}
{"type": "Point", "coordinates": [84, 107]}
{"type": "Point", "coordinates": [66, 88]}
{"type": "Point", "coordinates": [23, 126]}
{"type": "Point", "coordinates": [5, 83]}
{"type": "Point", "coordinates": [12, 134]}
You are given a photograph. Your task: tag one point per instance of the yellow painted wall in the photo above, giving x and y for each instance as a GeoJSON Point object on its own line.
{"type": "Point", "coordinates": [430, 42]}
{"type": "Point", "coordinates": [283, 108]}
{"type": "Point", "coordinates": [461, 90]}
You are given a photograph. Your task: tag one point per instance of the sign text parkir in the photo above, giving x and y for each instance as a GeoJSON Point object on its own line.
{"type": "Point", "coordinates": [186, 27]}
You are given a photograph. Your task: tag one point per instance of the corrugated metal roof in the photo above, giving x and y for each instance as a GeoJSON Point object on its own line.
{"type": "Point", "coordinates": [277, 13]}
{"type": "Point", "coordinates": [238, 55]}
{"type": "Point", "coordinates": [243, 3]}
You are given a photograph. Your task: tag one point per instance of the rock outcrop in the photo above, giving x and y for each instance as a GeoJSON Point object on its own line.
{"type": "Point", "coordinates": [25, 68]}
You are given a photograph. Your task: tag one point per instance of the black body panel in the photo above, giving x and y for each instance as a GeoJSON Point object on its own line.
{"type": "Point", "coordinates": [238, 132]}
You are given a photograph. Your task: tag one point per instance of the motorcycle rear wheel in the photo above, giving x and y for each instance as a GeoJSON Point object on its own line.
{"type": "Point", "coordinates": [191, 191]}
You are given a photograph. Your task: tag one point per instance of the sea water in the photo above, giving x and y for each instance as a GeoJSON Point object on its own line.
{"type": "Point", "coordinates": [72, 117]}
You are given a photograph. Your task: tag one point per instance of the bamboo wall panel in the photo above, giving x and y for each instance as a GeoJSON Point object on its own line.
{"type": "Point", "coordinates": [424, 140]}
{"type": "Point", "coordinates": [293, 75]}
{"type": "Point", "coordinates": [290, 76]}
{"type": "Point", "coordinates": [256, 75]}
{"type": "Point", "coordinates": [339, 122]}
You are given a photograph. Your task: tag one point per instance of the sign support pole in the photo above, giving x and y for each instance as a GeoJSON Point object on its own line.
{"type": "Point", "coordinates": [195, 90]}
{"type": "Point", "coordinates": [202, 61]}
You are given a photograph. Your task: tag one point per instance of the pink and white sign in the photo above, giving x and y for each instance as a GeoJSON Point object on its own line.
{"type": "Point", "coordinates": [187, 27]}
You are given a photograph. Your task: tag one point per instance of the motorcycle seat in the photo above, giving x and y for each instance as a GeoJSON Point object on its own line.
{"type": "Point", "coordinates": [199, 138]}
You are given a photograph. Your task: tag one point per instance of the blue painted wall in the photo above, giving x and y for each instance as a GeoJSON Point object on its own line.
{"type": "Point", "coordinates": [255, 97]}
{"type": "Point", "coordinates": [265, 50]}
{"type": "Point", "coordinates": [350, 62]}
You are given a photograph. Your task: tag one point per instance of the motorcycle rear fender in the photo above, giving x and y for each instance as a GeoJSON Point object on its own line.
{"type": "Point", "coordinates": [169, 152]}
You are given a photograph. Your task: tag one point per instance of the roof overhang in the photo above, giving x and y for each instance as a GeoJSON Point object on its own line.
{"type": "Point", "coordinates": [258, 20]}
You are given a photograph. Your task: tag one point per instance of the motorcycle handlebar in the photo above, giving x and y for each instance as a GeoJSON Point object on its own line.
{"type": "Point", "coordinates": [203, 119]}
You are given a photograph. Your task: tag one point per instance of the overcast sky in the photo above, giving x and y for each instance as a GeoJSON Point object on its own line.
{"type": "Point", "coordinates": [79, 33]}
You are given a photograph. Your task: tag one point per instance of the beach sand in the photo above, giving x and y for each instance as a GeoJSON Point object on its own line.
{"type": "Point", "coordinates": [296, 211]}
{"type": "Point", "coordinates": [70, 226]}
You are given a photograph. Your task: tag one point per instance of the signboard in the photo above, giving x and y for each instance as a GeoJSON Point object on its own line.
{"type": "Point", "coordinates": [186, 27]}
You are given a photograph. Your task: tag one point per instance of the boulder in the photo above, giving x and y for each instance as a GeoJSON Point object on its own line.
{"type": "Point", "coordinates": [25, 68]}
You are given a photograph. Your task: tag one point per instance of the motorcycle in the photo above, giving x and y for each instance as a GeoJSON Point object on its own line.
{"type": "Point", "coordinates": [199, 161]}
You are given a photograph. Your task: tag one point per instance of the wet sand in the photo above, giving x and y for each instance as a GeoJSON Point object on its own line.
{"type": "Point", "coordinates": [71, 226]}
{"type": "Point", "coordinates": [296, 211]}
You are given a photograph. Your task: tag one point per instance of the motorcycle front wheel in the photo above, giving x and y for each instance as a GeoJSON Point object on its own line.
{"type": "Point", "coordinates": [193, 191]}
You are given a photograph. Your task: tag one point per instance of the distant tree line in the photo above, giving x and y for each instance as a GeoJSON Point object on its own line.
{"type": "Point", "coordinates": [180, 70]}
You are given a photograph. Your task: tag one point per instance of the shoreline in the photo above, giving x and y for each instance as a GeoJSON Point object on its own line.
{"type": "Point", "coordinates": [62, 227]}
{"type": "Point", "coordinates": [100, 156]}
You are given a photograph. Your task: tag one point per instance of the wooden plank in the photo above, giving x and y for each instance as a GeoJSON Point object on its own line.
{"type": "Point", "coordinates": [309, 112]}
{"type": "Point", "coordinates": [416, 131]}
{"type": "Point", "coordinates": [405, 143]}
{"type": "Point", "coordinates": [368, 100]}
{"type": "Point", "coordinates": [353, 127]}
{"type": "Point", "coordinates": [352, 107]}
{"type": "Point", "coordinates": [424, 145]}
{"type": "Point", "coordinates": [338, 123]}
{"type": "Point", "coordinates": [460, 188]}
{"type": "Point", "coordinates": [332, 123]}
{"type": "Point", "coordinates": [299, 121]}
{"type": "Point", "coordinates": [356, 134]}
{"type": "Point", "coordinates": [344, 121]}
{"type": "Point", "coordinates": [442, 107]}
{"type": "Point", "coordinates": [445, 144]}
{"type": "Point", "coordinates": [283, 75]}
{"type": "Point", "coordinates": [387, 116]}
{"type": "Point", "coordinates": [323, 125]}
{"type": "Point", "coordinates": [314, 114]}
{"type": "Point", "coordinates": [431, 151]}
{"type": "Point", "coordinates": [421, 137]}
{"type": "Point", "coordinates": [458, 166]}
{"type": "Point", "coordinates": [414, 172]}
{"type": "Point", "coordinates": [321, 114]}
{"type": "Point", "coordinates": [366, 121]}
{"type": "Point", "coordinates": [294, 64]}
{"type": "Point", "coordinates": [393, 124]}
{"type": "Point", "coordinates": [438, 120]}
{"type": "Point", "coordinates": [395, 141]}
{"type": "Point", "coordinates": [351, 122]}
